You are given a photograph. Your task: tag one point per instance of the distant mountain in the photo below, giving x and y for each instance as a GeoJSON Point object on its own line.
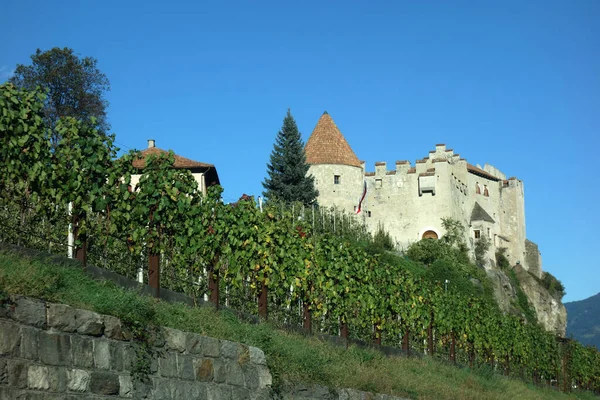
{"type": "Point", "coordinates": [583, 320]}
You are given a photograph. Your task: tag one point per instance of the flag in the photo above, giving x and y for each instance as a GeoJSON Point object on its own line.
{"type": "Point", "coordinates": [362, 198]}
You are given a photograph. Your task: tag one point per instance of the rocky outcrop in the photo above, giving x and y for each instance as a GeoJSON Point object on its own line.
{"type": "Point", "coordinates": [551, 313]}
{"type": "Point", "coordinates": [504, 292]}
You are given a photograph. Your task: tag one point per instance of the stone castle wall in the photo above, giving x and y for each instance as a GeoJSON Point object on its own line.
{"type": "Point", "coordinates": [410, 201]}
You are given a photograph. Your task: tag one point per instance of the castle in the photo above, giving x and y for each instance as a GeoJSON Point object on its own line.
{"type": "Point", "coordinates": [410, 201]}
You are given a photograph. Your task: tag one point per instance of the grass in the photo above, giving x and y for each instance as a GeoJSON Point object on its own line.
{"type": "Point", "coordinates": [292, 358]}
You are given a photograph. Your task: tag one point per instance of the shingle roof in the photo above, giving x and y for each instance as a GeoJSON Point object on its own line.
{"type": "Point", "coordinates": [327, 145]}
{"type": "Point", "coordinates": [180, 162]}
{"type": "Point", "coordinates": [479, 214]}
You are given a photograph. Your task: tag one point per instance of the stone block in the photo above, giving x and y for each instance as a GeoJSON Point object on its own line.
{"type": "Point", "coordinates": [57, 377]}
{"type": "Point", "coordinates": [101, 353]}
{"type": "Point", "coordinates": [61, 317]}
{"type": "Point", "coordinates": [261, 394]}
{"type": "Point", "coordinates": [175, 339]}
{"type": "Point", "coordinates": [112, 327]}
{"type": "Point", "coordinates": [235, 374]}
{"type": "Point", "coordinates": [167, 365]}
{"type": "Point", "coordinates": [30, 312]}
{"type": "Point", "coordinates": [116, 356]}
{"type": "Point", "coordinates": [37, 377]}
{"type": "Point", "coordinates": [185, 367]}
{"type": "Point", "coordinates": [257, 356]}
{"type": "Point", "coordinates": [251, 378]}
{"type": "Point", "coordinates": [218, 392]}
{"type": "Point", "coordinates": [164, 389]}
{"type": "Point", "coordinates": [126, 386]}
{"type": "Point", "coordinates": [29, 343]}
{"type": "Point", "coordinates": [190, 390]}
{"type": "Point", "coordinates": [83, 351]}
{"type": "Point", "coordinates": [204, 369]}
{"type": "Point", "coordinates": [3, 372]}
{"type": "Point", "coordinates": [78, 380]}
{"type": "Point", "coordinates": [211, 347]}
{"type": "Point", "coordinates": [230, 350]}
{"type": "Point", "coordinates": [17, 373]}
{"type": "Point", "coordinates": [55, 348]}
{"type": "Point", "coordinates": [193, 343]}
{"type": "Point", "coordinates": [220, 370]}
{"type": "Point", "coordinates": [240, 393]}
{"type": "Point", "coordinates": [10, 338]}
{"type": "Point", "coordinates": [265, 380]}
{"type": "Point", "coordinates": [88, 323]}
{"type": "Point", "coordinates": [8, 393]}
{"type": "Point", "coordinates": [128, 357]}
{"type": "Point", "coordinates": [104, 383]}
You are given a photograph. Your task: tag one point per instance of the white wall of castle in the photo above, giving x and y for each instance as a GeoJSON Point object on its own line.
{"type": "Point", "coordinates": [408, 201]}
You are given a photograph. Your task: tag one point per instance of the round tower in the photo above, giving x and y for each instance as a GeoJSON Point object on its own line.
{"type": "Point", "coordinates": [338, 172]}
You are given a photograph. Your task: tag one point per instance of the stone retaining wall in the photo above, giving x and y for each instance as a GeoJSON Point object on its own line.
{"type": "Point", "coordinates": [54, 351]}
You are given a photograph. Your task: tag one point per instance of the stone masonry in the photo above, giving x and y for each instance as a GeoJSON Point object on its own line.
{"type": "Point", "coordinates": [54, 351]}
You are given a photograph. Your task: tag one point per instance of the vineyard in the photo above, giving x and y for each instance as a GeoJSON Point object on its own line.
{"type": "Point", "coordinates": [302, 267]}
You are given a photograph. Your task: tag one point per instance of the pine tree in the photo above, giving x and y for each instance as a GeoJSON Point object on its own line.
{"type": "Point", "coordinates": [288, 180]}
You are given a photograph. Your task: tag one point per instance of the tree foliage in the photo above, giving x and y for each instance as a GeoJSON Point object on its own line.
{"type": "Point", "coordinates": [287, 169]}
{"type": "Point", "coordinates": [75, 86]}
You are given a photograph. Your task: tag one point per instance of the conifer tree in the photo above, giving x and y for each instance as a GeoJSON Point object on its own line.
{"type": "Point", "coordinates": [287, 168]}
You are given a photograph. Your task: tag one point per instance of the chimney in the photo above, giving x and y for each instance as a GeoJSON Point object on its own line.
{"type": "Point", "coordinates": [151, 143]}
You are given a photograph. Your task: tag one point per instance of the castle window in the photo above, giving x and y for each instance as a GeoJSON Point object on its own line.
{"type": "Point", "coordinates": [477, 233]}
{"type": "Point", "coordinates": [368, 213]}
{"type": "Point", "coordinates": [486, 193]}
{"type": "Point", "coordinates": [337, 179]}
{"type": "Point", "coordinates": [477, 188]}
{"type": "Point", "coordinates": [378, 183]}
{"type": "Point", "coordinates": [430, 235]}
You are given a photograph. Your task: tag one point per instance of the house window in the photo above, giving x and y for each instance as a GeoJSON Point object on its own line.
{"type": "Point", "coordinates": [336, 179]}
{"type": "Point", "coordinates": [477, 233]}
{"type": "Point", "coordinates": [378, 183]}
{"type": "Point", "coordinates": [486, 193]}
{"type": "Point", "coordinates": [477, 188]}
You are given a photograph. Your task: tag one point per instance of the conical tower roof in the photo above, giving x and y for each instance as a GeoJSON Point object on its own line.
{"type": "Point", "coordinates": [327, 145]}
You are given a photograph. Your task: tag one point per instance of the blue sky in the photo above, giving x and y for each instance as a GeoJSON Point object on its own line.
{"type": "Point", "coordinates": [515, 84]}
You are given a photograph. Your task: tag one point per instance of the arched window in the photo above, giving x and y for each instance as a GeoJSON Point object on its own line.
{"type": "Point", "coordinates": [430, 235]}
{"type": "Point", "coordinates": [486, 192]}
{"type": "Point", "coordinates": [477, 188]}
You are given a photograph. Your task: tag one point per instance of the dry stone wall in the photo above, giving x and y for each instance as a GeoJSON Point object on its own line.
{"type": "Point", "coordinates": [54, 351]}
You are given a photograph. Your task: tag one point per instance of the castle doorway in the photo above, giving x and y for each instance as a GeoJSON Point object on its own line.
{"type": "Point", "coordinates": [430, 235]}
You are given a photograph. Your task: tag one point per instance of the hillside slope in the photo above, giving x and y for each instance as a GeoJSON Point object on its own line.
{"type": "Point", "coordinates": [583, 320]}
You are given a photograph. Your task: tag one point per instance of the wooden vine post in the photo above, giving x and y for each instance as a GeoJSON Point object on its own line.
{"type": "Point", "coordinates": [453, 347]}
{"type": "Point", "coordinates": [307, 317]}
{"type": "Point", "coordinates": [213, 287]}
{"type": "Point", "coordinates": [405, 342]}
{"type": "Point", "coordinates": [263, 311]}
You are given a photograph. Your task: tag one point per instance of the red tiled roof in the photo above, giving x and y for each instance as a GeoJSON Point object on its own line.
{"type": "Point", "coordinates": [478, 171]}
{"type": "Point", "coordinates": [180, 162]}
{"type": "Point", "coordinates": [327, 145]}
